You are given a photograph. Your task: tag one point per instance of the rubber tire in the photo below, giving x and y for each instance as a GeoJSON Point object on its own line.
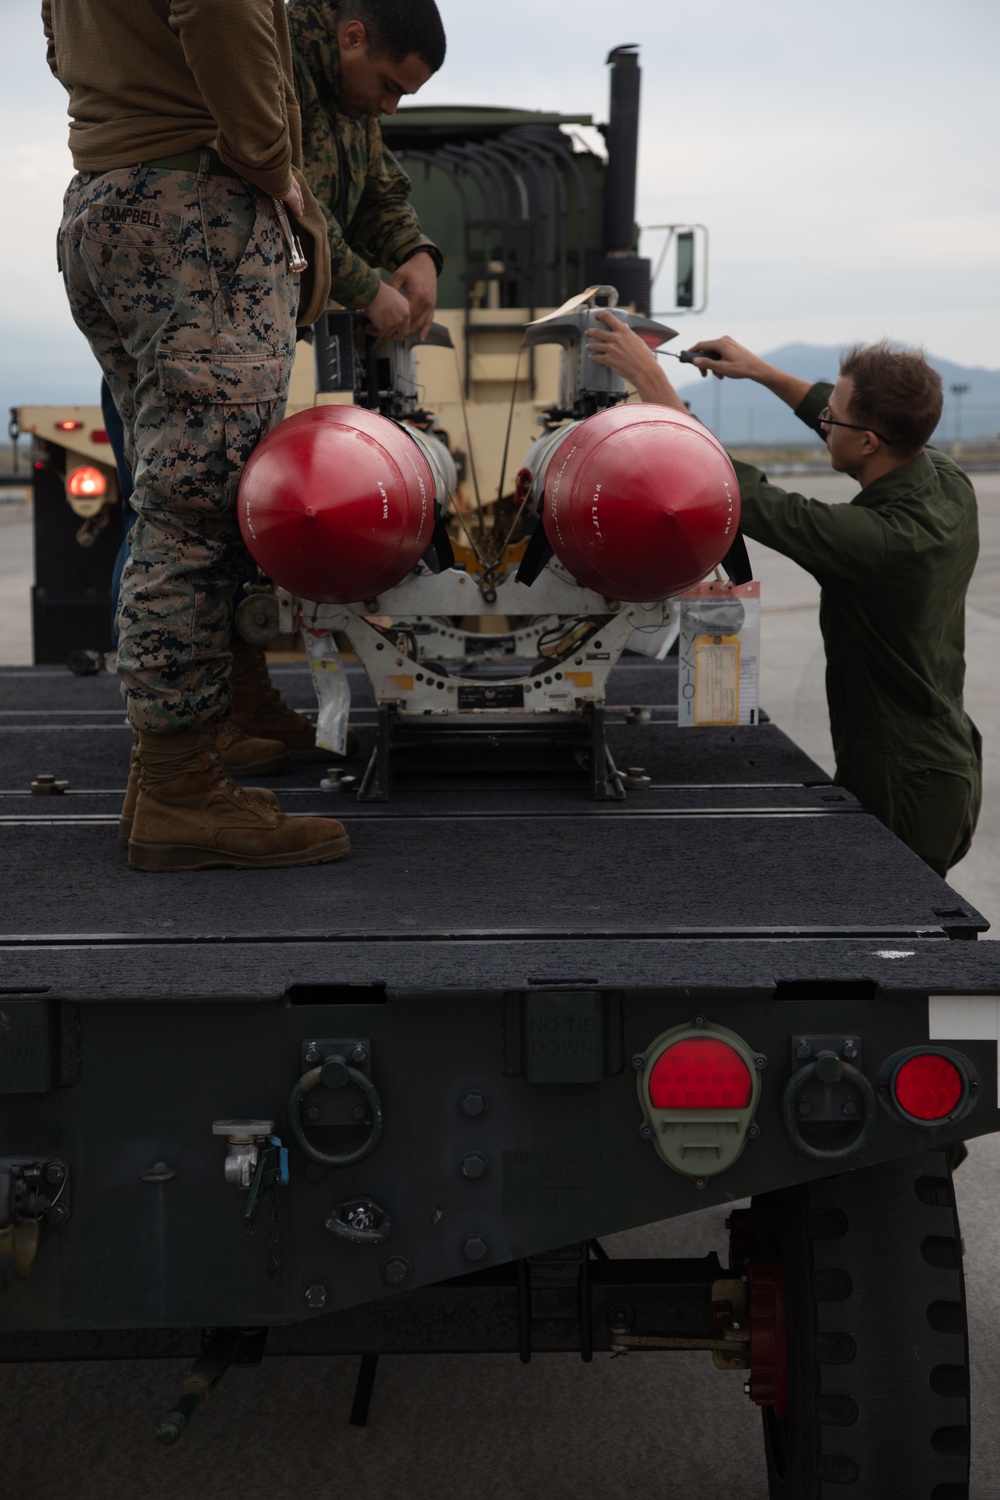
{"type": "Point", "coordinates": [877, 1333]}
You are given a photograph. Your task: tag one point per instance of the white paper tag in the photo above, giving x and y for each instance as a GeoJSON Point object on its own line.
{"type": "Point", "coordinates": [333, 691]}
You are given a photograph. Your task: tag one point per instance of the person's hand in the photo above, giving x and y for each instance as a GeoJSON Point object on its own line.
{"type": "Point", "coordinates": [726, 358]}
{"type": "Point", "coordinates": [416, 278]}
{"type": "Point", "coordinates": [620, 348]}
{"type": "Point", "coordinates": [389, 314]}
{"type": "Point", "coordinates": [294, 199]}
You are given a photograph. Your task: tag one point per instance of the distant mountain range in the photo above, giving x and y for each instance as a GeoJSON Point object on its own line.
{"type": "Point", "coordinates": [740, 412]}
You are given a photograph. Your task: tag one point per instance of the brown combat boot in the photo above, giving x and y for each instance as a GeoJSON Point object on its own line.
{"type": "Point", "coordinates": [191, 815]}
{"type": "Point", "coordinates": [243, 746]}
{"type": "Point", "coordinates": [259, 709]}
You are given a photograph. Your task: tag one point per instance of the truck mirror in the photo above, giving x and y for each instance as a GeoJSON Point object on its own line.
{"type": "Point", "coordinates": [685, 268]}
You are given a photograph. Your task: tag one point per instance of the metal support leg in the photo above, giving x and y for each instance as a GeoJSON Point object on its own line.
{"type": "Point", "coordinates": [605, 781]}
{"type": "Point", "coordinates": [376, 784]}
{"type": "Point", "coordinates": [367, 1371]}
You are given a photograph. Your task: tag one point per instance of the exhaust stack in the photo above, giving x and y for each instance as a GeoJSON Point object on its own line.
{"type": "Point", "coordinates": [620, 266]}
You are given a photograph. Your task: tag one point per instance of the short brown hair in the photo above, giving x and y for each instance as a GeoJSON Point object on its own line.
{"type": "Point", "coordinates": [896, 392]}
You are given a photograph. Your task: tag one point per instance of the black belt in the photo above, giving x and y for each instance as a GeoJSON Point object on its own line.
{"type": "Point", "coordinates": [190, 161]}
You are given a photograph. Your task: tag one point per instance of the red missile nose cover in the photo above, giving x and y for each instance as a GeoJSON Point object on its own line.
{"type": "Point", "coordinates": [641, 502]}
{"type": "Point", "coordinates": [337, 504]}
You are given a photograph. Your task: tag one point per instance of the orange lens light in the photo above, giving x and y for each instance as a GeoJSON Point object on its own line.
{"type": "Point", "coordinates": [698, 1073]}
{"type": "Point", "coordinates": [928, 1086]}
{"type": "Point", "coordinates": [86, 483]}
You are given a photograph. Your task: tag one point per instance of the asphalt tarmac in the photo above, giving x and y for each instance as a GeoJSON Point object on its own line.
{"type": "Point", "coordinates": [484, 1427]}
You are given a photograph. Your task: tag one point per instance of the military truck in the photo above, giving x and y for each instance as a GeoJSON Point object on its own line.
{"type": "Point", "coordinates": [397, 1104]}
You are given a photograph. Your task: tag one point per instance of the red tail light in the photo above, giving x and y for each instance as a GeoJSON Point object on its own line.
{"type": "Point", "coordinates": [68, 426]}
{"type": "Point", "coordinates": [86, 483]}
{"type": "Point", "coordinates": [698, 1073]}
{"type": "Point", "coordinates": [928, 1086]}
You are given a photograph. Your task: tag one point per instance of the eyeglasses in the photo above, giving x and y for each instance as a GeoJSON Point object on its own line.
{"type": "Point", "coordinates": [825, 420]}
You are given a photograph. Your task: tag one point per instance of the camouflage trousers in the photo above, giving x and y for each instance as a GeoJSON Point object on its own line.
{"type": "Point", "coordinates": [179, 281]}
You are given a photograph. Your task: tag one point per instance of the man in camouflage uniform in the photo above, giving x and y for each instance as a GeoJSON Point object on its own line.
{"type": "Point", "coordinates": [174, 260]}
{"type": "Point", "coordinates": [353, 61]}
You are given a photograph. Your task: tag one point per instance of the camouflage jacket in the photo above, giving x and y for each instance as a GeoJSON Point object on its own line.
{"type": "Point", "coordinates": [364, 192]}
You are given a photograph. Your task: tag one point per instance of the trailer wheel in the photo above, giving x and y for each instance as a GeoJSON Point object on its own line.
{"type": "Point", "coordinates": [878, 1360]}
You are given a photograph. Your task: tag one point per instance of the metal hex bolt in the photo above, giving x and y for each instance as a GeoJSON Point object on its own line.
{"type": "Point", "coordinates": [53, 1173]}
{"type": "Point", "coordinates": [358, 1112]}
{"type": "Point", "coordinates": [312, 1055]}
{"type": "Point", "coordinates": [475, 1247]}
{"type": "Point", "coordinates": [804, 1107]}
{"type": "Point", "coordinates": [359, 1055]}
{"type": "Point", "coordinates": [803, 1049]}
{"type": "Point", "coordinates": [849, 1050]}
{"type": "Point", "coordinates": [316, 1295]}
{"type": "Point", "coordinates": [699, 1021]}
{"type": "Point", "coordinates": [395, 1270]}
{"type": "Point", "coordinates": [645, 1131]}
{"type": "Point", "coordinates": [313, 1113]}
{"type": "Point", "coordinates": [850, 1107]}
{"type": "Point", "coordinates": [760, 1062]}
{"type": "Point", "coordinates": [753, 1131]}
{"type": "Point", "coordinates": [475, 1165]}
{"type": "Point", "coordinates": [638, 1062]}
{"type": "Point", "coordinates": [473, 1104]}
{"type": "Point", "coordinates": [57, 1214]}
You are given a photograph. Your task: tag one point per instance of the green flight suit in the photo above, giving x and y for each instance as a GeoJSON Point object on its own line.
{"type": "Point", "coordinates": [894, 565]}
{"type": "Point", "coordinates": [362, 189]}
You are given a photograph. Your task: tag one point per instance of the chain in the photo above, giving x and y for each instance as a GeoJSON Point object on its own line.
{"type": "Point", "coordinates": [272, 1242]}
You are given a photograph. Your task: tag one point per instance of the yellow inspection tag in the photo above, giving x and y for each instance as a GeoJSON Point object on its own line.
{"type": "Point", "coordinates": [717, 679]}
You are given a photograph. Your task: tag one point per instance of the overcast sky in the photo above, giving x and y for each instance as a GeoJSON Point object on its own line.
{"type": "Point", "coordinates": [842, 154]}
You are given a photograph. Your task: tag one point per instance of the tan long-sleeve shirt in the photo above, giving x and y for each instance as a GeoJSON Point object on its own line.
{"type": "Point", "coordinates": [151, 78]}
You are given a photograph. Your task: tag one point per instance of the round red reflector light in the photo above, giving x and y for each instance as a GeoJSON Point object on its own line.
{"type": "Point", "coordinates": [700, 1073]}
{"type": "Point", "coordinates": [68, 426]}
{"type": "Point", "coordinates": [928, 1086]}
{"type": "Point", "coordinates": [86, 482]}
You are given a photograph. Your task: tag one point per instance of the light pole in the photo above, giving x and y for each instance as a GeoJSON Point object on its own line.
{"type": "Point", "coordinates": [958, 391]}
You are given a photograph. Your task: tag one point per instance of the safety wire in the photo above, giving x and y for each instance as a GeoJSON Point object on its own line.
{"type": "Point", "coordinates": [503, 465]}
{"type": "Point", "coordinates": [472, 471]}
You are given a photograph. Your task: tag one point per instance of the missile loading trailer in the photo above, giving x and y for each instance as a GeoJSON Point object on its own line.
{"type": "Point", "coordinates": [397, 1103]}
{"type": "Point", "coordinates": [394, 1104]}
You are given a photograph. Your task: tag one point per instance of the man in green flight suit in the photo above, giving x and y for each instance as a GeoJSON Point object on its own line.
{"type": "Point", "coordinates": [353, 61]}
{"type": "Point", "coordinates": [894, 566]}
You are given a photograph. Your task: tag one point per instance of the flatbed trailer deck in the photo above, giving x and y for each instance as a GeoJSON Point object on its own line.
{"type": "Point", "coordinates": [500, 955]}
